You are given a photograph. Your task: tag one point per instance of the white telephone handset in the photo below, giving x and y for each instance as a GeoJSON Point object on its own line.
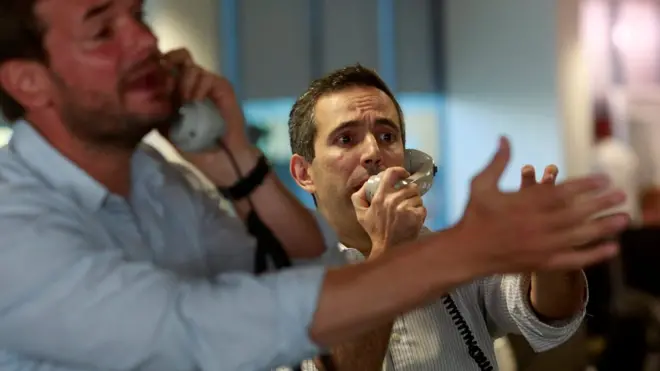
{"type": "Point", "coordinates": [421, 167]}
{"type": "Point", "coordinates": [199, 128]}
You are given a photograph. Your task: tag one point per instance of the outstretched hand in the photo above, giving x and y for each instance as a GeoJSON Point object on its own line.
{"type": "Point", "coordinates": [540, 227]}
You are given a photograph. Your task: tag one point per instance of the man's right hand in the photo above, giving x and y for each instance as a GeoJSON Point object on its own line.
{"type": "Point", "coordinates": [541, 227]}
{"type": "Point", "coordinates": [394, 216]}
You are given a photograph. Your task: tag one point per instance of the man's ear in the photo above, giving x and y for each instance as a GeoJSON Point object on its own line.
{"type": "Point", "coordinates": [27, 82]}
{"type": "Point", "coordinates": [301, 172]}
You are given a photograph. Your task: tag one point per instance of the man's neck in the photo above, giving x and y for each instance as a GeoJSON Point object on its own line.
{"type": "Point", "coordinates": [110, 166]}
{"type": "Point", "coordinates": [112, 169]}
{"type": "Point", "coordinates": [348, 230]}
{"type": "Point", "coordinates": [360, 243]}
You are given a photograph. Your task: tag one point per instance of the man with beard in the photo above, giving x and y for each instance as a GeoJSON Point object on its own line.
{"type": "Point", "coordinates": [109, 260]}
{"type": "Point", "coordinates": [348, 126]}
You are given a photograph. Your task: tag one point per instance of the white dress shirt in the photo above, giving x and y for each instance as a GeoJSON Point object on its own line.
{"type": "Point", "coordinates": [158, 281]}
{"type": "Point", "coordinates": [427, 339]}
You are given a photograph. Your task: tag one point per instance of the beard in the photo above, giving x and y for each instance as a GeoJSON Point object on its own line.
{"type": "Point", "coordinates": [105, 128]}
{"type": "Point", "coordinates": [102, 120]}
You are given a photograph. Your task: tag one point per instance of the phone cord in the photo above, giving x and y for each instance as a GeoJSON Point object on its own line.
{"type": "Point", "coordinates": [463, 328]}
{"type": "Point", "coordinates": [269, 246]}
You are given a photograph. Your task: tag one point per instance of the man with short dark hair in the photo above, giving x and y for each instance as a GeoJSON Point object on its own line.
{"type": "Point", "coordinates": [347, 126]}
{"type": "Point", "coordinates": [110, 260]}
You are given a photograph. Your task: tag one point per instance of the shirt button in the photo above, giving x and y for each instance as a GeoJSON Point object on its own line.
{"type": "Point", "coordinates": [395, 337]}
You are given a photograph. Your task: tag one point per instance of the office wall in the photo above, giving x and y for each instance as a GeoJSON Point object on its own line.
{"type": "Point", "coordinates": [514, 68]}
{"type": "Point", "coordinates": [190, 24]}
{"type": "Point", "coordinates": [278, 47]}
{"type": "Point", "coordinates": [504, 73]}
{"type": "Point", "coordinates": [274, 49]}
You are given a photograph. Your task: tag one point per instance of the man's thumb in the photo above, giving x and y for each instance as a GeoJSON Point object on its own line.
{"type": "Point", "coordinates": [494, 170]}
{"type": "Point", "coordinates": [359, 198]}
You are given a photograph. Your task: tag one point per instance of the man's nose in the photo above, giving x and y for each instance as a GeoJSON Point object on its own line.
{"type": "Point", "coordinates": [371, 157]}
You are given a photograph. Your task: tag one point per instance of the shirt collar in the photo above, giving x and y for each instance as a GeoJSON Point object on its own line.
{"type": "Point", "coordinates": [61, 174]}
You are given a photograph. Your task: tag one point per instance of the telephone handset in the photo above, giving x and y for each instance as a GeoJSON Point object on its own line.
{"type": "Point", "coordinates": [199, 127]}
{"type": "Point", "coordinates": [418, 164]}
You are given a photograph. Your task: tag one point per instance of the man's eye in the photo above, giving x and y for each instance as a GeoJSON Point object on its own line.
{"type": "Point", "coordinates": [344, 139]}
{"type": "Point", "coordinates": [388, 137]}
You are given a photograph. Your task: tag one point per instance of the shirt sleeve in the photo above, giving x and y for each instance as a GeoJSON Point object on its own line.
{"type": "Point", "coordinates": [66, 298]}
{"type": "Point", "coordinates": [241, 256]}
{"type": "Point", "coordinates": [508, 310]}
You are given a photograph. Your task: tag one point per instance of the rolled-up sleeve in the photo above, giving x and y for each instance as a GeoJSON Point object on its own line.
{"type": "Point", "coordinates": [66, 298]}
{"type": "Point", "coordinates": [508, 310]}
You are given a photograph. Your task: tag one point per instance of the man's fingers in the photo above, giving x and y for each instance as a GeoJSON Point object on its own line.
{"type": "Point", "coordinates": [359, 198]}
{"type": "Point", "coordinates": [587, 208]}
{"type": "Point", "coordinates": [567, 192]}
{"type": "Point", "coordinates": [527, 176]}
{"type": "Point", "coordinates": [204, 86]}
{"type": "Point", "coordinates": [550, 174]}
{"type": "Point", "coordinates": [577, 259]}
{"type": "Point", "coordinates": [407, 197]}
{"type": "Point", "coordinates": [189, 82]}
{"type": "Point", "coordinates": [490, 176]}
{"type": "Point", "coordinates": [178, 58]}
{"type": "Point", "coordinates": [388, 179]}
{"type": "Point", "coordinates": [391, 176]}
{"type": "Point", "coordinates": [595, 230]}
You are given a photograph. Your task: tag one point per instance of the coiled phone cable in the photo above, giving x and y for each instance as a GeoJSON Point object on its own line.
{"type": "Point", "coordinates": [268, 246]}
{"type": "Point", "coordinates": [473, 349]}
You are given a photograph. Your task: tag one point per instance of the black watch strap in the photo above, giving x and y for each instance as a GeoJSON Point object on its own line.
{"type": "Point", "coordinates": [246, 185]}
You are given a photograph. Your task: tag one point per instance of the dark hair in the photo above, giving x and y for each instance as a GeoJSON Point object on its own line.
{"type": "Point", "coordinates": [302, 128]}
{"type": "Point", "coordinates": [21, 37]}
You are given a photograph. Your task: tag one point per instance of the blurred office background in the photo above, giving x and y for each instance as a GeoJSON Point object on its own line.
{"type": "Point", "coordinates": [465, 72]}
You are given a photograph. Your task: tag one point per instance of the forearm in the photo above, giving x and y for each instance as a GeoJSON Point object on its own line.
{"type": "Point", "coordinates": [397, 282]}
{"type": "Point", "coordinates": [557, 295]}
{"type": "Point", "coordinates": [146, 317]}
{"type": "Point", "coordinates": [290, 221]}
{"type": "Point", "coordinates": [365, 353]}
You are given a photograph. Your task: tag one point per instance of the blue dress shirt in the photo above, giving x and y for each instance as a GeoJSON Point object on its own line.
{"type": "Point", "coordinates": [161, 281]}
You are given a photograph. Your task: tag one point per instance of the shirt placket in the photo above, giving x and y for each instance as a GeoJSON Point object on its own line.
{"type": "Point", "coordinates": [126, 229]}
{"type": "Point", "coordinates": [400, 350]}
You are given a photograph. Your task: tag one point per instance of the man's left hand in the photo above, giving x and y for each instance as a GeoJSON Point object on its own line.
{"type": "Point", "coordinates": [197, 84]}
{"type": "Point", "coordinates": [554, 295]}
